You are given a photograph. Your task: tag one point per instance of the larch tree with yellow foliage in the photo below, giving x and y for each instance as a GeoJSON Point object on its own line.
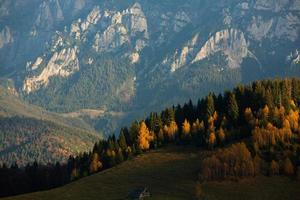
{"type": "Point", "coordinates": [95, 164]}
{"type": "Point", "coordinates": [212, 140]}
{"type": "Point", "coordinates": [144, 137]}
{"type": "Point", "coordinates": [197, 127]}
{"type": "Point", "coordinates": [288, 167]}
{"type": "Point", "coordinates": [274, 168]}
{"type": "Point", "coordinates": [171, 130]}
{"type": "Point", "coordinates": [221, 135]}
{"type": "Point", "coordinates": [186, 128]}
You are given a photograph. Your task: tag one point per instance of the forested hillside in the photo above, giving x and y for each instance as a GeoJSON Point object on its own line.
{"type": "Point", "coordinates": [29, 133]}
{"type": "Point", "coordinates": [25, 140]}
{"type": "Point", "coordinates": [255, 127]}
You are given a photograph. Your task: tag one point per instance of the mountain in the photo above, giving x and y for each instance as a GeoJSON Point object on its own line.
{"type": "Point", "coordinates": [29, 133]}
{"type": "Point", "coordinates": [129, 56]}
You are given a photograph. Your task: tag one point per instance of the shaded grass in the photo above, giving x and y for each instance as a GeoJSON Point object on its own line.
{"type": "Point", "coordinates": [170, 174]}
{"type": "Point", "coordinates": [260, 188]}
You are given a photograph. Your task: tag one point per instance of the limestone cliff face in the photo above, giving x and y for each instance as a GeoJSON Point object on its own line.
{"type": "Point", "coordinates": [183, 56]}
{"type": "Point", "coordinates": [158, 39]}
{"type": "Point", "coordinates": [61, 64]}
{"type": "Point", "coordinates": [230, 42]}
{"type": "Point", "coordinates": [271, 5]}
{"type": "Point", "coordinates": [110, 30]}
{"type": "Point", "coordinates": [6, 36]}
{"type": "Point", "coordinates": [259, 28]}
{"type": "Point", "coordinates": [49, 13]}
{"type": "Point", "coordinates": [120, 29]}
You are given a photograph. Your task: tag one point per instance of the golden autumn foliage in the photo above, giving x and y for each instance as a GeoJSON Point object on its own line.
{"type": "Point", "coordinates": [212, 140]}
{"type": "Point", "coordinates": [74, 173]}
{"type": "Point", "coordinates": [221, 135]}
{"type": "Point", "coordinates": [211, 125]}
{"type": "Point", "coordinates": [95, 164]}
{"type": "Point", "coordinates": [274, 168]}
{"type": "Point", "coordinates": [257, 163]}
{"type": "Point", "coordinates": [249, 116]}
{"type": "Point", "coordinates": [199, 193]}
{"type": "Point", "coordinates": [171, 130]}
{"type": "Point", "coordinates": [235, 161]}
{"type": "Point", "coordinates": [144, 137]}
{"type": "Point", "coordinates": [197, 127]}
{"type": "Point", "coordinates": [288, 168]}
{"type": "Point", "coordinates": [215, 116]}
{"type": "Point", "coordinates": [186, 127]}
{"type": "Point", "coordinates": [271, 135]}
{"type": "Point", "coordinates": [293, 118]}
{"type": "Point", "coordinates": [265, 112]}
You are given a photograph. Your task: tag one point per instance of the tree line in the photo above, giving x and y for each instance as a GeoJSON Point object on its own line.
{"type": "Point", "coordinates": [266, 112]}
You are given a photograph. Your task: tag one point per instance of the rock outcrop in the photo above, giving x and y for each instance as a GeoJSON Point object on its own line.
{"type": "Point", "coordinates": [230, 42]}
{"type": "Point", "coordinates": [61, 64]}
{"type": "Point", "coordinates": [6, 36]}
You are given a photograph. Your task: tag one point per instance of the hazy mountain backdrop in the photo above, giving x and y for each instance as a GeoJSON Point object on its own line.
{"type": "Point", "coordinates": [111, 61]}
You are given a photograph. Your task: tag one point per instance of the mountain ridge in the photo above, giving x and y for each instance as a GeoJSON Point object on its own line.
{"type": "Point", "coordinates": [164, 51]}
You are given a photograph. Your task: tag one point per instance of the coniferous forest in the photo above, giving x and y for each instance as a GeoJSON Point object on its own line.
{"type": "Point", "coordinates": [251, 130]}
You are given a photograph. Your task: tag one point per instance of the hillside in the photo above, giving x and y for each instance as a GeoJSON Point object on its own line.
{"type": "Point", "coordinates": [29, 133]}
{"type": "Point", "coordinates": [25, 140]}
{"type": "Point", "coordinates": [170, 173]}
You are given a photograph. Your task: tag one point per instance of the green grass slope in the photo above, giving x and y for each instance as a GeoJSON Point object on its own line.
{"type": "Point", "coordinates": [170, 174]}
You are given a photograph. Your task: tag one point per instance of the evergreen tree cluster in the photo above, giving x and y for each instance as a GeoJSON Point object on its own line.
{"type": "Point", "coordinates": [266, 113]}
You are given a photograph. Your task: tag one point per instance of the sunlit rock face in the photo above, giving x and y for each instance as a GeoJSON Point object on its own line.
{"type": "Point", "coordinates": [61, 64]}
{"type": "Point", "coordinates": [6, 36]}
{"type": "Point", "coordinates": [157, 43]}
{"type": "Point", "coordinates": [231, 42]}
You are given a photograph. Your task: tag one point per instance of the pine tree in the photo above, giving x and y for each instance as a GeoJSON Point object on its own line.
{"type": "Point", "coordinates": [133, 132]}
{"type": "Point", "coordinates": [122, 141]}
{"type": "Point", "coordinates": [233, 109]}
{"type": "Point", "coordinates": [119, 156]}
{"type": "Point", "coordinates": [210, 106]}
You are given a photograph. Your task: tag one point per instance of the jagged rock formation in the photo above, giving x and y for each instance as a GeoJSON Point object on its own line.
{"type": "Point", "coordinates": [5, 37]}
{"type": "Point", "coordinates": [61, 64]}
{"type": "Point", "coordinates": [231, 43]}
{"type": "Point", "coordinates": [164, 47]}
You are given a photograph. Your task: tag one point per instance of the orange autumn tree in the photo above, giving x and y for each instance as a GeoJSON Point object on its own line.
{"type": "Point", "coordinates": [274, 168]}
{"type": "Point", "coordinates": [212, 140]}
{"type": "Point", "coordinates": [221, 135]}
{"type": "Point", "coordinates": [186, 129]}
{"type": "Point", "coordinates": [144, 137]}
{"type": "Point", "coordinates": [95, 164]}
{"type": "Point", "coordinates": [197, 127]}
{"type": "Point", "coordinates": [171, 130]}
{"type": "Point", "coordinates": [288, 167]}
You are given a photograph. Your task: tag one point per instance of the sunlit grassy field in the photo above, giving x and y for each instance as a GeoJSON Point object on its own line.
{"type": "Point", "coordinates": [170, 173]}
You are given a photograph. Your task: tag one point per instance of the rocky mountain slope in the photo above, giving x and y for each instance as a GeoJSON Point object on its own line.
{"type": "Point", "coordinates": [130, 56]}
